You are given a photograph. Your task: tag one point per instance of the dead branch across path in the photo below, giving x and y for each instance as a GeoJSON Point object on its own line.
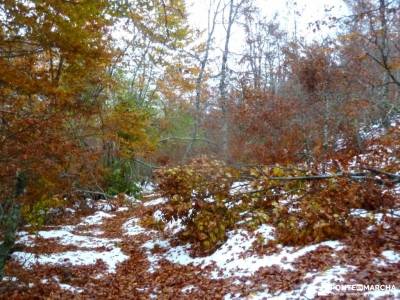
{"type": "Point", "coordinates": [393, 177]}
{"type": "Point", "coordinates": [94, 193]}
{"type": "Point", "coordinates": [371, 174]}
{"type": "Point", "coordinates": [186, 139]}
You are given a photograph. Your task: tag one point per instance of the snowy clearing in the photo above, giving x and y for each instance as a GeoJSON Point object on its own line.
{"type": "Point", "coordinates": [235, 259]}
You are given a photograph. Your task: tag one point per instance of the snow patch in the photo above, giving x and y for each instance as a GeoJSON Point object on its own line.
{"type": "Point", "coordinates": [322, 284]}
{"type": "Point", "coordinates": [97, 218]}
{"type": "Point", "coordinates": [189, 289]}
{"type": "Point", "coordinates": [122, 208]}
{"type": "Point", "coordinates": [378, 218]}
{"type": "Point", "coordinates": [157, 201]}
{"type": "Point", "coordinates": [148, 188]}
{"type": "Point", "coordinates": [389, 256]}
{"type": "Point", "coordinates": [158, 215]}
{"type": "Point", "coordinates": [229, 258]}
{"type": "Point", "coordinates": [132, 227]}
{"type": "Point", "coordinates": [10, 278]}
{"type": "Point", "coordinates": [63, 286]}
{"type": "Point", "coordinates": [111, 256]}
{"type": "Point", "coordinates": [149, 247]}
{"type": "Point", "coordinates": [70, 288]}
{"type": "Point", "coordinates": [76, 258]}
{"type": "Point", "coordinates": [64, 236]}
{"type": "Point", "coordinates": [174, 226]}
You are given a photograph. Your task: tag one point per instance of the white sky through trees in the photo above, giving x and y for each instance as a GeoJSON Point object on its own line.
{"type": "Point", "coordinates": [308, 11]}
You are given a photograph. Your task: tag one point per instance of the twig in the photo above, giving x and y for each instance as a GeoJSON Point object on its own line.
{"type": "Point", "coordinates": [186, 139]}
{"type": "Point", "coordinates": [379, 172]}
{"type": "Point", "coordinates": [107, 196]}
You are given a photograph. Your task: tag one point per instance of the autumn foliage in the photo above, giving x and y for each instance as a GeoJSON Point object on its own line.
{"type": "Point", "coordinates": [57, 124]}
{"type": "Point", "coordinates": [97, 98]}
{"type": "Point", "coordinates": [198, 194]}
{"type": "Point", "coordinates": [303, 209]}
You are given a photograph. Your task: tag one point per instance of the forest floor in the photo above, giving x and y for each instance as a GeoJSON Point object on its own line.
{"type": "Point", "coordinates": [103, 250]}
{"type": "Point", "coordinates": [107, 254]}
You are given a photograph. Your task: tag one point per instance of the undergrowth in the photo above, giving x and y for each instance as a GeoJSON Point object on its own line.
{"type": "Point", "coordinates": [302, 211]}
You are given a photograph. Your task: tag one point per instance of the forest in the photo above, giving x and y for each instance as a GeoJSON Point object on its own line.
{"type": "Point", "coordinates": [143, 156]}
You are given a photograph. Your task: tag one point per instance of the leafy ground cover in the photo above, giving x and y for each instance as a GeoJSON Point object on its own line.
{"type": "Point", "coordinates": [280, 239]}
{"type": "Point", "coordinates": [110, 254]}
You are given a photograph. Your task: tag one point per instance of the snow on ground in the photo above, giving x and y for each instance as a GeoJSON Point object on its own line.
{"type": "Point", "coordinates": [231, 260]}
{"type": "Point", "coordinates": [377, 217]}
{"type": "Point", "coordinates": [119, 209]}
{"type": "Point", "coordinates": [70, 288]}
{"type": "Point", "coordinates": [385, 154]}
{"type": "Point", "coordinates": [132, 227]}
{"type": "Point", "coordinates": [158, 215]}
{"type": "Point", "coordinates": [10, 278]}
{"type": "Point", "coordinates": [148, 188]}
{"type": "Point", "coordinates": [189, 289]}
{"type": "Point", "coordinates": [97, 218]}
{"type": "Point", "coordinates": [363, 159]}
{"type": "Point", "coordinates": [155, 202]}
{"type": "Point", "coordinates": [132, 200]}
{"type": "Point", "coordinates": [372, 131]}
{"type": "Point", "coordinates": [228, 259]}
{"type": "Point", "coordinates": [362, 213]}
{"type": "Point", "coordinates": [76, 258]}
{"type": "Point", "coordinates": [174, 226]}
{"type": "Point", "coordinates": [235, 257]}
{"type": "Point", "coordinates": [389, 256]}
{"type": "Point", "coordinates": [100, 205]}
{"type": "Point", "coordinates": [65, 236]}
{"type": "Point", "coordinates": [322, 284]}
{"type": "Point", "coordinates": [64, 286]}
{"type": "Point", "coordinates": [88, 245]}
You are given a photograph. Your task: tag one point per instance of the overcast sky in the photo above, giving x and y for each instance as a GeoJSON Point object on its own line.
{"type": "Point", "coordinates": [310, 11]}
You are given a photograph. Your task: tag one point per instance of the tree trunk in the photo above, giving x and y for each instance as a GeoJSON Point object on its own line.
{"type": "Point", "coordinates": [200, 77]}
{"type": "Point", "coordinates": [222, 84]}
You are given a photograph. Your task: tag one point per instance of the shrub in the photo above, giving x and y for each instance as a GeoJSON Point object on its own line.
{"type": "Point", "coordinates": [303, 211]}
{"type": "Point", "coordinates": [37, 214]}
{"type": "Point", "coordinates": [199, 194]}
{"type": "Point", "coordinates": [120, 180]}
{"type": "Point", "coordinates": [324, 211]}
{"type": "Point", "coordinates": [208, 227]}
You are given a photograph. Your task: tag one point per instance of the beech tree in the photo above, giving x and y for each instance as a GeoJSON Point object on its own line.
{"type": "Point", "coordinates": [373, 28]}
{"type": "Point", "coordinates": [233, 8]}
{"type": "Point", "coordinates": [202, 59]}
{"type": "Point", "coordinates": [53, 63]}
{"type": "Point", "coordinates": [263, 58]}
{"type": "Point", "coordinates": [63, 115]}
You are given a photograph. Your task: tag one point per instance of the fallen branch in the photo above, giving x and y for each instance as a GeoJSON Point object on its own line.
{"type": "Point", "coordinates": [394, 178]}
{"type": "Point", "coordinates": [311, 177]}
{"type": "Point", "coordinates": [187, 139]}
{"type": "Point", "coordinates": [105, 195]}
